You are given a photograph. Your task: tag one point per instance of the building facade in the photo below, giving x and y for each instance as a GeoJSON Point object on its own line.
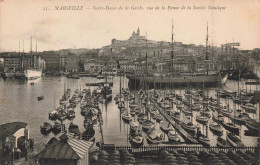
{"type": "Point", "coordinates": [93, 65]}
{"type": "Point", "coordinates": [54, 62]}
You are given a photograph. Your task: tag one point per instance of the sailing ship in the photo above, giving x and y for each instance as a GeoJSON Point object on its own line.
{"type": "Point", "coordinates": [33, 72]}
{"type": "Point", "coordinates": [46, 128]}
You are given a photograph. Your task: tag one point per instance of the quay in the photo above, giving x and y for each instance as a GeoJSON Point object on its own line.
{"type": "Point", "coordinates": [187, 137]}
{"type": "Point", "coordinates": [211, 80]}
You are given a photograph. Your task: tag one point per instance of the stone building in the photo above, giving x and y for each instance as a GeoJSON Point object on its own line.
{"type": "Point", "coordinates": [54, 61]}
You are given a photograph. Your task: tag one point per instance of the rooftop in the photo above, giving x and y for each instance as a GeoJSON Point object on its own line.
{"type": "Point", "coordinates": [65, 148]}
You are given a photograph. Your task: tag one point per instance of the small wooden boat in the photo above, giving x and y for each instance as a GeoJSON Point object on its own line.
{"type": "Point", "coordinates": [142, 117]}
{"type": "Point", "coordinates": [153, 111]}
{"type": "Point", "coordinates": [195, 107]}
{"type": "Point", "coordinates": [179, 106]}
{"type": "Point", "coordinates": [158, 117]}
{"type": "Point", "coordinates": [53, 115]}
{"type": "Point", "coordinates": [70, 114]}
{"type": "Point", "coordinates": [126, 117]}
{"type": "Point", "coordinates": [137, 110]}
{"type": "Point", "coordinates": [216, 128]}
{"type": "Point", "coordinates": [202, 119]}
{"type": "Point", "coordinates": [222, 94]}
{"type": "Point", "coordinates": [134, 125]}
{"type": "Point", "coordinates": [225, 112]}
{"type": "Point", "coordinates": [206, 112]}
{"type": "Point", "coordinates": [221, 142]}
{"type": "Point", "coordinates": [88, 123]}
{"type": "Point", "coordinates": [234, 140]}
{"type": "Point", "coordinates": [56, 128]}
{"type": "Point", "coordinates": [132, 106]}
{"type": "Point", "coordinates": [89, 134]}
{"type": "Point", "coordinates": [253, 126]}
{"type": "Point", "coordinates": [176, 117]}
{"type": "Point", "coordinates": [204, 140]}
{"type": "Point", "coordinates": [231, 127]}
{"type": "Point", "coordinates": [187, 112]}
{"type": "Point", "coordinates": [165, 126]}
{"type": "Point", "coordinates": [136, 139]}
{"type": "Point", "coordinates": [250, 108]}
{"type": "Point", "coordinates": [74, 129]}
{"type": "Point", "coordinates": [119, 98]}
{"type": "Point", "coordinates": [147, 124]}
{"type": "Point", "coordinates": [100, 77]}
{"type": "Point", "coordinates": [39, 98]}
{"type": "Point", "coordinates": [46, 128]}
{"type": "Point", "coordinates": [121, 104]}
{"type": "Point", "coordinates": [241, 118]}
{"type": "Point", "coordinates": [153, 137]}
{"type": "Point", "coordinates": [230, 93]}
{"type": "Point", "coordinates": [174, 137]}
{"type": "Point", "coordinates": [219, 118]}
{"type": "Point", "coordinates": [132, 112]}
{"type": "Point", "coordinates": [189, 127]}
{"type": "Point", "coordinates": [85, 111]}
{"type": "Point", "coordinates": [62, 115]}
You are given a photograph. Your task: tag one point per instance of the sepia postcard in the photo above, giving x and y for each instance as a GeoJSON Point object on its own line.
{"type": "Point", "coordinates": [111, 82]}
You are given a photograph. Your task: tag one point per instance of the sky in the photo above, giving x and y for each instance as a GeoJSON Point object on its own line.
{"type": "Point", "coordinates": [88, 28]}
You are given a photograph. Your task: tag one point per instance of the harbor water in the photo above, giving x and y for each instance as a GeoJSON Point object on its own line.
{"type": "Point", "coordinates": [18, 102]}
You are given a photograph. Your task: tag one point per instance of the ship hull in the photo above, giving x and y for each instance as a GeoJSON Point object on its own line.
{"type": "Point", "coordinates": [30, 74]}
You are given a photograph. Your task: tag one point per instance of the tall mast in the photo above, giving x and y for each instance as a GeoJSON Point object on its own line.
{"type": "Point", "coordinates": [146, 52]}
{"type": "Point", "coordinates": [23, 56]}
{"type": "Point", "coordinates": [172, 49]}
{"type": "Point", "coordinates": [207, 38]}
{"type": "Point", "coordinates": [32, 61]}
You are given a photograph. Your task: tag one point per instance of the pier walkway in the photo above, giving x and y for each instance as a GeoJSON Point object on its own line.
{"type": "Point", "coordinates": [187, 137]}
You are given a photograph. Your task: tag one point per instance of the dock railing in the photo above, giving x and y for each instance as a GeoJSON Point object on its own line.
{"type": "Point", "coordinates": [154, 151]}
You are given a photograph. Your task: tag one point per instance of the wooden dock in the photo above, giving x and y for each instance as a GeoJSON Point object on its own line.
{"type": "Point", "coordinates": [187, 137]}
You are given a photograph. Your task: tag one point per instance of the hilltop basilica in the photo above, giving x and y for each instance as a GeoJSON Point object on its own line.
{"type": "Point", "coordinates": [136, 35]}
